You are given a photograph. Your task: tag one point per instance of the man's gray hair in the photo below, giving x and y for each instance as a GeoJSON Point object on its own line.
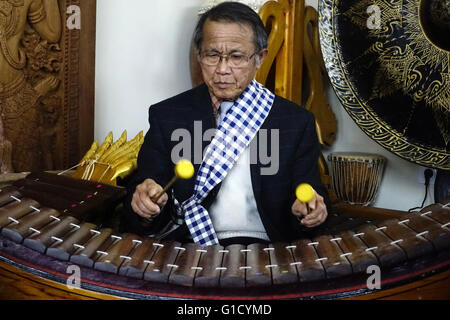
{"type": "Point", "coordinates": [233, 12]}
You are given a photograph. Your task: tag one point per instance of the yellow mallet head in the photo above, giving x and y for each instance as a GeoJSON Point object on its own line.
{"type": "Point", "coordinates": [184, 169]}
{"type": "Point", "coordinates": [304, 193]}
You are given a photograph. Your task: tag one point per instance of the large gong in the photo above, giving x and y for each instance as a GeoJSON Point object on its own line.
{"type": "Point", "coordinates": [388, 61]}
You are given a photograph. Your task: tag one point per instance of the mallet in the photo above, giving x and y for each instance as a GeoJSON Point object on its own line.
{"type": "Point", "coordinates": [183, 170]}
{"type": "Point", "coordinates": [305, 193]}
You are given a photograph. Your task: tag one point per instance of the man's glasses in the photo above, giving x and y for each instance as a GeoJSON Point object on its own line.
{"type": "Point", "coordinates": [234, 60]}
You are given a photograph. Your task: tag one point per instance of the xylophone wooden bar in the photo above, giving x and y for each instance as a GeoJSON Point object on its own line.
{"type": "Point", "coordinates": [7, 195]}
{"type": "Point", "coordinates": [16, 210]}
{"type": "Point", "coordinates": [50, 234]}
{"type": "Point", "coordinates": [117, 253]}
{"type": "Point", "coordinates": [335, 264]}
{"type": "Point", "coordinates": [163, 261]}
{"type": "Point", "coordinates": [437, 212]}
{"type": "Point", "coordinates": [36, 220]}
{"type": "Point", "coordinates": [355, 251]}
{"type": "Point", "coordinates": [210, 265]}
{"type": "Point", "coordinates": [234, 266]}
{"type": "Point", "coordinates": [87, 253]}
{"type": "Point", "coordinates": [405, 238]}
{"type": "Point", "coordinates": [104, 249]}
{"type": "Point", "coordinates": [283, 264]}
{"type": "Point", "coordinates": [64, 250]}
{"type": "Point", "coordinates": [186, 265]}
{"type": "Point", "coordinates": [135, 267]}
{"type": "Point", "coordinates": [387, 253]}
{"type": "Point", "coordinates": [430, 230]}
{"type": "Point", "coordinates": [258, 266]}
{"type": "Point", "coordinates": [308, 265]}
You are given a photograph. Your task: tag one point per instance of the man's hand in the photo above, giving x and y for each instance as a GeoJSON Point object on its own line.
{"type": "Point", "coordinates": [318, 211]}
{"type": "Point", "coordinates": [142, 202]}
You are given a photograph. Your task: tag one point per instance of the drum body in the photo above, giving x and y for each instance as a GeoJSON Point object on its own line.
{"type": "Point", "coordinates": [356, 177]}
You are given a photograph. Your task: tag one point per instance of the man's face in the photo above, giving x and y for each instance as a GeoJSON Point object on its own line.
{"type": "Point", "coordinates": [226, 38]}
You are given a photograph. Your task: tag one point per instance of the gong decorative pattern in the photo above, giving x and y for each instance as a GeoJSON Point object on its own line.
{"type": "Point", "coordinates": [389, 61]}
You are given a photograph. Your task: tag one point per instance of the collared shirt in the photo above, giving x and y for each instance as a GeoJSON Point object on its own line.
{"type": "Point", "coordinates": [234, 212]}
{"type": "Point", "coordinates": [216, 106]}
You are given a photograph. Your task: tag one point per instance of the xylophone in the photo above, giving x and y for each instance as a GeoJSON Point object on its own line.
{"type": "Point", "coordinates": [48, 235]}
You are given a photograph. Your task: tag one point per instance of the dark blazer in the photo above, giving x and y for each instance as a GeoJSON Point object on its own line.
{"type": "Point", "coordinates": [274, 194]}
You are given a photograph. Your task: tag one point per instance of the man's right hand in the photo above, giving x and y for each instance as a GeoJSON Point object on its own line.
{"type": "Point", "coordinates": [142, 202]}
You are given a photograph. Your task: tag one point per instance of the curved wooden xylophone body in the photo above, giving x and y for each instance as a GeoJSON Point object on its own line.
{"type": "Point", "coordinates": [46, 241]}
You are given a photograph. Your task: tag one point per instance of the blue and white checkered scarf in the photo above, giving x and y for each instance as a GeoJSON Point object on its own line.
{"type": "Point", "coordinates": [232, 137]}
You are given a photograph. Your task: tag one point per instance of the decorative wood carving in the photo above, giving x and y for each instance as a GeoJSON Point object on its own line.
{"type": "Point", "coordinates": [46, 83]}
{"type": "Point", "coordinates": [317, 101]}
{"type": "Point", "coordinates": [110, 160]}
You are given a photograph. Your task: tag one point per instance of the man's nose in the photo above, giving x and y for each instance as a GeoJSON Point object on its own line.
{"type": "Point", "coordinates": [222, 66]}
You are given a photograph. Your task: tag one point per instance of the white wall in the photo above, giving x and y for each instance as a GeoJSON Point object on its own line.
{"type": "Point", "coordinates": [143, 58]}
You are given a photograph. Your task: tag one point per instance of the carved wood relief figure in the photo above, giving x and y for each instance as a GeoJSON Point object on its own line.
{"type": "Point", "coordinates": [20, 94]}
{"type": "Point", "coordinates": [41, 96]}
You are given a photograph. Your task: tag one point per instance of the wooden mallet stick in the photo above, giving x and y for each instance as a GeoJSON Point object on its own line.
{"type": "Point", "coordinates": [183, 170]}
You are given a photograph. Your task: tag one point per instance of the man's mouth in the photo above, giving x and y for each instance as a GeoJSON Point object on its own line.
{"type": "Point", "coordinates": [223, 85]}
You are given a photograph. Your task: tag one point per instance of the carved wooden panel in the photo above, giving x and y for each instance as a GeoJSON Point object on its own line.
{"type": "Point", "coordinates": [47, 55]}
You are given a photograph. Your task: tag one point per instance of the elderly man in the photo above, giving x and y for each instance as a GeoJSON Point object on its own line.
{"type": "Point", "coordinates": [231, 199]}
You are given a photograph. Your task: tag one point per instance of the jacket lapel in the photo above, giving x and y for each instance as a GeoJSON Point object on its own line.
{"type": "Point", "coordinates": [199, 118]}
{"type": "Point", "coordinates": [255, 169]}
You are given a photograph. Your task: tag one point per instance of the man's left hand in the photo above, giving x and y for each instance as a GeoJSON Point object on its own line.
{"type": "Point", "coordinates": [317, 215]}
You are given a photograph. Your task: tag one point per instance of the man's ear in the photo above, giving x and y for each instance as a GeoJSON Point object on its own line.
{"type": "Point", "coordinates": [262, 56]}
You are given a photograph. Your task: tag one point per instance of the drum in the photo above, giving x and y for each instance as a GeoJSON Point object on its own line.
{"type": "Point", "coordinates": [356, 177]}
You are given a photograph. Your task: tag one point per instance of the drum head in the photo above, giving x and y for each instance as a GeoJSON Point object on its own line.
{"type": "Point", "coordinates": [356, 156]}
{"type": "Point", "coordinates": [388, 62]}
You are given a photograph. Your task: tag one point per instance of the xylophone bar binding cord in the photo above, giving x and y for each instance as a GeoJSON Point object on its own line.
{"type": "Point", "coordinates": [387, 243]}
